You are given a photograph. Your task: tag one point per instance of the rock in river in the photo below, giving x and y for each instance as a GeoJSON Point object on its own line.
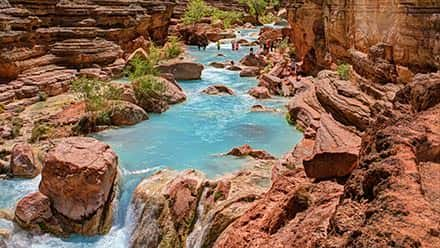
{"type": "Point", "coordinates": [182, 70]}
{"type": "Point", "coordinates": [218, 89]}
{"type": "Point", "coordinates": [78, 189]}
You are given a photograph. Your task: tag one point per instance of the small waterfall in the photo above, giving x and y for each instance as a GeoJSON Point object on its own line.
{"type": "Point", "coordinates": [196, 237]}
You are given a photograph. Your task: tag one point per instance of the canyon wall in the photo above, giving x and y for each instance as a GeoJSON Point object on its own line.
{"type": "Point", "coordinates": [324, 31]}
{"type": "Point", "coordinates": [45, 44]}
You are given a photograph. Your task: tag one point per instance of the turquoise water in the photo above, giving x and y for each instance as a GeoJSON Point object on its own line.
{"type": "Point", "coordinates": [193, 134]}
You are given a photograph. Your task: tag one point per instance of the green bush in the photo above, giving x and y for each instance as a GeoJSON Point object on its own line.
{"type": "Point", "coordinates": [227, 17]}
{"type": "Point", "coordinates": [39, 132]}
{"type": "Point", "coordinates": [268, 18]}
{"type": "Point", "coordinates": [2, 108]}
{"type": "Point", "coordinates": [17, 124]}
{"type": "Point", "coordinates": [148, 86]}
{"type": "Point", "coordinates": [343, 71]}
{"type": "Point", "coordinates": [42, 96]}
{"type": "Point", "coordinates": [140, 66]}
{"type": "Point", "coordinates": [96, 94]}
{"type": "Point", "coordinates": [173, 48]}
{"type": "Point", "coordinates": [195, 11]}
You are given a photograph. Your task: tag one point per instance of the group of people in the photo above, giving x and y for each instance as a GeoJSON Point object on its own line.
{"type": "Point", "coordinates": [200, 46]}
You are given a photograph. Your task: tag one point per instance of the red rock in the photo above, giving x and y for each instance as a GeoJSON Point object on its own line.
{"type": "Point", "coordinates": [182, 70]}
{"type": "Point", "coordinates": [253, 60]}
{"type": "Point", "coordinates": [259, 92]}
{"type": "Point", "coordinates": [23, 162]}
{"type": "Point", "coordinates": [33, 209]}
{"type": "Point", "coordinates": [250, 71]}
{"type": "Point", "coordinates": [336, 150]}
{"type": "Point", "coordinates": [78, 177]}
{"type": "Point", "coordinates": [126, 114]}
{"type": "Point", "coordinates": [218, 90]}
{"type": "Point", "coordinates": [293, 213]}
{"type": "Point", "coordinates": [247, 150]}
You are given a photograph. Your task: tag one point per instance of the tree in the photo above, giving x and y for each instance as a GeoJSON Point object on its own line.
{"type": "Point", "coordinates": [256, 7]}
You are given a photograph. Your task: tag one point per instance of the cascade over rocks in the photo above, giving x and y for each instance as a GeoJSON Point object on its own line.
{"type": "Point", "coordinates": [78, 190]}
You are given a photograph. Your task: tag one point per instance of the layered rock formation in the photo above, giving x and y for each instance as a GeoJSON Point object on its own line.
{"type": "Point", "coordinates": [44, 44]}
{"type": "Point", "coordinates": [324, 31]}
{"type": "Point", "coordinates": [389, 200]}
{"type": "Point", "coordinates": [78, 189]}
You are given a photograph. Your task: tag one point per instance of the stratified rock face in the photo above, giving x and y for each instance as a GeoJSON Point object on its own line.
{"type": "Point", "coordinates": [78, 190]}
{"type": "Point", "coordinates": [395, 189]}
{"type": "Point", "coordinates": [78, 176]}
{"type": "Point", "coordinates": [43, 44]}
{"type": "Point", "coordinates": [390, 199]}
{"type": "Point", "coordinates": [324, 31]}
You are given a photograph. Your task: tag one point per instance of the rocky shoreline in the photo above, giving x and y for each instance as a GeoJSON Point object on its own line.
{"type": "Point", "coordinates": [367, 98]}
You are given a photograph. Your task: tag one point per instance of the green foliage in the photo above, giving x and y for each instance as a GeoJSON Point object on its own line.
{"type": "Point", "coordinates": [268, 18]}
{"type": "Point", "coordinates": [2, 108]}
{"type": "Point", "coordinates": [39, 132]}
{"type": "Point", "coordinates": [256, 7]}
{"type": "Point", "coordinates": [17, 124]}
{"type": "Point", "coordinates": [140, 66]}
{"type": "Point", "coordinates": [173, 48]}
{"type": "Point", "coordinates": [96, 94]}
{"type": "Point", "coordinates": [195, 11]}
{"type": "Point", "coordinates": [42, 96]}
{"type": "Point", "coordinates": [227, 17]}
{"type": "Point", "coordinates": [148, 87]}
{"type": "Point", "coordinates": [343, 71]}
{"type": "Point", "coordinates": [218, 195]}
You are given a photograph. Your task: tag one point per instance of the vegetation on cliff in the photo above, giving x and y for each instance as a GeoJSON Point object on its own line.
{"type": "Point", "coordinates": [198, 9]}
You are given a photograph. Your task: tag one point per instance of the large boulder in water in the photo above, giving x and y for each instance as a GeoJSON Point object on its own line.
{"type": "Point", "coordinates": [259, 92]}
{"type": "Point", "coordinates": [182, 70]}
{"type": "Point", "coordinates": [80, 180]}
{"type": "Point", "coordinates": [23, 162]}
{"type": "Point", "coordinates": [247, 150]}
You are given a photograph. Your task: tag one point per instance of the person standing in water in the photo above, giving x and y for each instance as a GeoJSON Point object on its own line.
{"type": "Point", "coordinates": [251, 51]}
{"type": "Point", "coordinates": [218, 45]}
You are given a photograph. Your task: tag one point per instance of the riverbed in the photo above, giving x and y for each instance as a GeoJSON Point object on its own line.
{"type": "Point", "coordinates": [193, 134]}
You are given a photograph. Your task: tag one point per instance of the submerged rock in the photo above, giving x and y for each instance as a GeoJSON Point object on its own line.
{"type": "Point", "coordinates": [218, 89]}
{"type": "Point", "coordinates": [247, 150]}
{"type": "Point", "coordinates": [261, 108]}
{"type": "Point", "coordinates": [23, 162]}
{"type": "Point", "coordinates": [78, 189]}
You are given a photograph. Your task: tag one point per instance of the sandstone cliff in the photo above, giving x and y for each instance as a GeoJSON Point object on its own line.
{"type": "Point", "coordinates": [325, 31]}
{"type": "Point", "coordinates": [45, 44]}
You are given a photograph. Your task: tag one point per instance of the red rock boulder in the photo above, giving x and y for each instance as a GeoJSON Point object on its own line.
{"type": "Point", "coordinates": [23, 162]}
{"type": "Point", "coordinates": [78, 176]}
{"type": "Point", "coordinates": [259, 92]}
